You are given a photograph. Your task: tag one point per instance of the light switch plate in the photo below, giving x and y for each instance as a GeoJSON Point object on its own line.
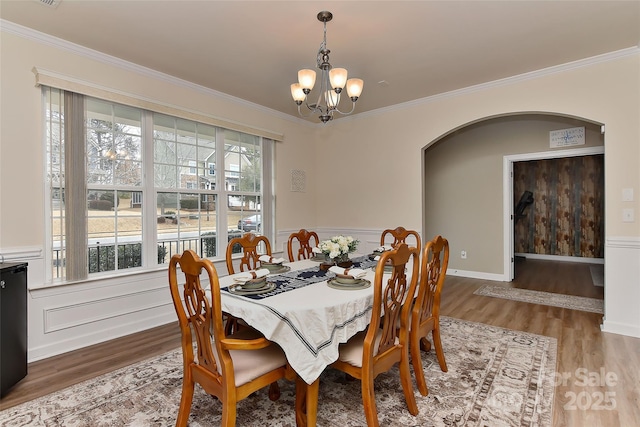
{"type": "Point", "coordinates": [627, 194]}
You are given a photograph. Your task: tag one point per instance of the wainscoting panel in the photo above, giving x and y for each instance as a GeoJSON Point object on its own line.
{"type": "Point", "coordinates": [98, 310]}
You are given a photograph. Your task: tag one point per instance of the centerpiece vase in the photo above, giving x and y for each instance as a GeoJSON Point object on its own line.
{"type": "Point", "coordinates": [343, 261]}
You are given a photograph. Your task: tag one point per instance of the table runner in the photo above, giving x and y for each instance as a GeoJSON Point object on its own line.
{"type": "Point", "coordinates": [299, 278]}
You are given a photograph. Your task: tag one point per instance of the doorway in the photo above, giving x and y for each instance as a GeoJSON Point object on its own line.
{"type": "Point", "coordinates": [510, 216]}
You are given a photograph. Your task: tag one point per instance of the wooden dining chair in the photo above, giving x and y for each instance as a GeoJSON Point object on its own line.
{"type": "Point", "coordinates": [229, 367]}
{"type": "Point", "coordinates": [378, 348]}
{"type": "Point", "coordinates": [305, 241]}
{"type": "Point", "coordinates": [425, 316]}
{"type": "Point", "coordinates": [400, 235]}
{"type": "Point", "coordinates": [249, 243]}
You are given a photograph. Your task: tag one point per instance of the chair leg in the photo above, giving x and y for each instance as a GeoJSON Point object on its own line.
{"type": "Point", "coordinates": [425, 344]}
{"type": "Point", "coordinates": [438, 345]}
{"type": "Point", "coordinates": [230, 324]}
{"type": "Point", "coordinates": [369, 401]}
{"type": "Point", "coordinates": [229, 413]}
{"type": "Point", "coordinates": [416, 360]}
{"type": "Point", "coordinates": [185, 402]}
{"type": "Point", "coordinates": [407, 386]}
{"type": "Point", "coordinates": [274, 391]}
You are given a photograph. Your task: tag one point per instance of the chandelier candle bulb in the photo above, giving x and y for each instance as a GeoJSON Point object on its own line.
{"type": "Point", "coordinates": [354, 88]}
{"type": "Point", "coordinates": [297, 93]}
{"type": "Point", "coordinates": [338, 77]}
{"type": "Point", "coordinates": [307, 79]}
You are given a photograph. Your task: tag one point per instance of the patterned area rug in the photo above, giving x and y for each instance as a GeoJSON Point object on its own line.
{"type": "Point", "coordinates": [592, 305]}
{"type": "Point", "coordinates": [497, 377]}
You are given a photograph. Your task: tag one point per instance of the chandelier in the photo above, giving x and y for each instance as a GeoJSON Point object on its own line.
{"type": "Point", "coordinates": [332, 82]}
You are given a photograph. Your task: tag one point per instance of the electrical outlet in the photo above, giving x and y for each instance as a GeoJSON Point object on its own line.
{"type": "Point", "coordinates": [463, 254]}
{"type": "Point", "coordinates": [627, 215]}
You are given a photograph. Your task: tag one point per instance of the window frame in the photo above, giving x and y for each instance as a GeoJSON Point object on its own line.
{"type": "Point", "coordinates": [148, 194]}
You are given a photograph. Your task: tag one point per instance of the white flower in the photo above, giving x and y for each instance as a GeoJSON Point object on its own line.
{"type": "Point", "coordinates": [338, 245]}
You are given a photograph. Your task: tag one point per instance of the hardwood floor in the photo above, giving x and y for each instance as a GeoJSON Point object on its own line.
{"type": "Point", "coordinates": [597, 373]}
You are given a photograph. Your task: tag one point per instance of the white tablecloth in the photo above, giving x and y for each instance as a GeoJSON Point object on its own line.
{"type": "Point", "coordinates": [308, 322]}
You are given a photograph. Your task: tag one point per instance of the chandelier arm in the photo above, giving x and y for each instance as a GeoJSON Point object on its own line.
{"type": "Point", "coordinates": [302, 114]}
{"type": "Point", "coordinates": [353, 107]}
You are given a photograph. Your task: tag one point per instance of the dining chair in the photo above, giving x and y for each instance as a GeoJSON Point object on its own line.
{"type": "Point", "coordinates": [400, 235]}
{"type": "Point", "coordinates": [378, 348]}
{"type": "Point", "coordinates": [249, 243]}
{"type": "Point", "coordinates": [425, 315]}
{"type": "Point", "coordinates": [229, 367]}
{"type": "Point", "coordinates": [303, 239]}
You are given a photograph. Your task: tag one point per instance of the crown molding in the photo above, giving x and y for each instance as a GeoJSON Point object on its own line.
{"type": "Point", "coordinates": [606, 57]}
{"type": "Point", "coordinates": [46, 39]}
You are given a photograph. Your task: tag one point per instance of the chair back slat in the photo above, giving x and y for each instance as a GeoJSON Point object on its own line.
{"type": "Point", "coordinates": [400, 235]}
{"type": "Point", "coordinates": [250, 243]}
{"type": "Point", "coordinates": [434, 266]}
{"type": "Point", "coordinates": [304, 240]}
{"type": "Point", "coordinates": [390, 295]}
{"type": "Point", "coordinates": [195, 313]}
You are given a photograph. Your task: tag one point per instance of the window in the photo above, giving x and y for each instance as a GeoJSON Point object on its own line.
{"type": "Point", "coordinates": [142, 186]}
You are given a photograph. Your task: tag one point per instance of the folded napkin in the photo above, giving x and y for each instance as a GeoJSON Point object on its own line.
{"type": "Point", "coordinates": [271, 260]}
{"type": "Point", "coordinates": [356, 273]}
{"type": "Point", "coordinates": [383, 248]}
{"type": "Point", "coordinates": [251, 274]}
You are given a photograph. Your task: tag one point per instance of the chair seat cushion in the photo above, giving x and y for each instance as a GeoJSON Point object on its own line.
{"type": "Point", "coordinates": [351, 351]}
{"type": "Point", "coordinates": [250, 364]}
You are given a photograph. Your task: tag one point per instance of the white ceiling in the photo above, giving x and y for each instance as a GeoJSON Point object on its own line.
{"type": "Point", "coordinates": [404, 50]}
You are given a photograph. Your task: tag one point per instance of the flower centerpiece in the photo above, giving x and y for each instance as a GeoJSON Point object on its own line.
{"type": "Point", "coordinates": [338, 248]}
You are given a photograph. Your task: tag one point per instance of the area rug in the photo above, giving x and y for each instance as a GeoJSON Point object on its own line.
{"type": "Point", "coordinates": [597, 274]}
{"type": "Point", "coordinates": [497, 377]}
{"type": "Point", "coordinates": [593, 305]}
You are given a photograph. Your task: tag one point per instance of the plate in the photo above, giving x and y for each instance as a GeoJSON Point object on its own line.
{"type": "Point", "coordinates": [360, 284]}
{"type": "Point", "coordinates": [282, 269]}
{"type": "Point", "coordinates": [239, 290]}
{"type": "Point", "coordinates": [346, 280]}
{"type": "Point", "coordinates": [318, 258]}
{"type": "Point", "coordinates": [258, 283]}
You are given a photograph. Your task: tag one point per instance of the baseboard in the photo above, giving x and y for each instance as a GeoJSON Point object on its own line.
{"type": "Point", "coordinates": [561, 258]}
{"type": "Point", "coordinates": [477, 275]}
{"type": "Point", "coordinates": [620, 329]}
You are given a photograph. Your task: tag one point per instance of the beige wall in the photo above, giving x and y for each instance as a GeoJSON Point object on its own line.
{"type": "Point", "coordinates": [388, 144]}
{"type": "Point", "coordinates": [387, 147]}
{"type": "Point", "coordinates": [364, 174]}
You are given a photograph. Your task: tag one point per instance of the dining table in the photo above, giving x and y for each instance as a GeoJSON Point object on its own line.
{"type": "Point", "coordinates": [308, 313]}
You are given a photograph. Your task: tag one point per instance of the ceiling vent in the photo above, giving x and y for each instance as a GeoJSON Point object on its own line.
{"type": "Point", "coordinates": [50, 3]}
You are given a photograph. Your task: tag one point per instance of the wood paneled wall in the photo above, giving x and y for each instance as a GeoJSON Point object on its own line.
{"type": "Point", "coordinates": [567, 214]}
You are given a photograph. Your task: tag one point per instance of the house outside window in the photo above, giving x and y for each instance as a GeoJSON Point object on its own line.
{"type": "Point", "coordinates": [149, 186]}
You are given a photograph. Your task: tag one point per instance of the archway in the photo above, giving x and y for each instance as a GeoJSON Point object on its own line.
{"type": "Point", "coordinates": [466, 194]}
